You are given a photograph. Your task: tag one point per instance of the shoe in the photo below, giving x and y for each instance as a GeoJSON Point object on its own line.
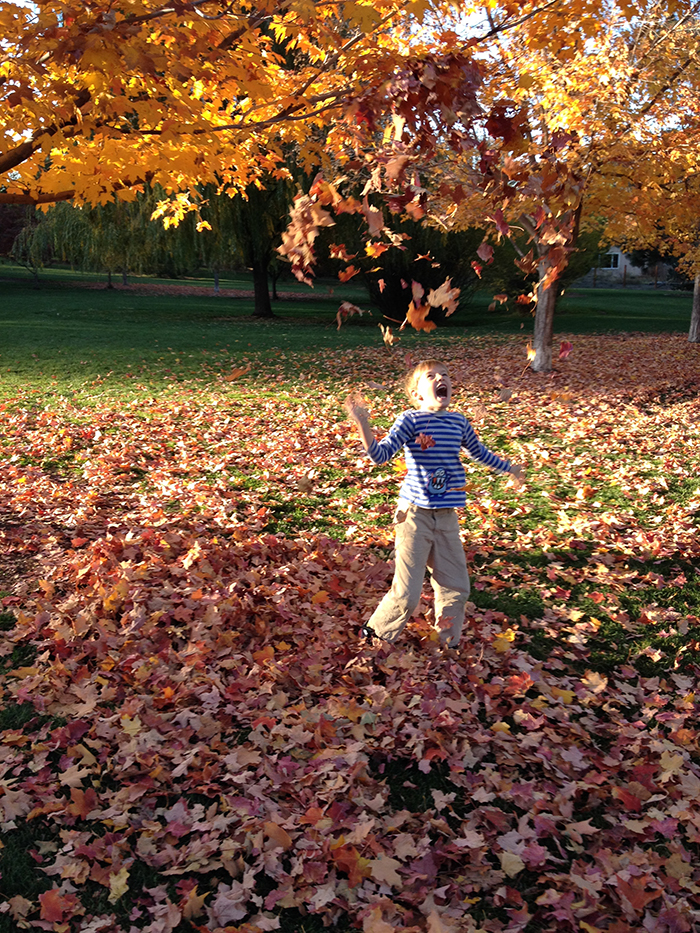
{"type": "Point", "coordinates": [368, 633]}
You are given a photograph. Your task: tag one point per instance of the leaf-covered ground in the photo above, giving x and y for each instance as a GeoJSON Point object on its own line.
{"type": "Point", "coordinates": [193, 736]}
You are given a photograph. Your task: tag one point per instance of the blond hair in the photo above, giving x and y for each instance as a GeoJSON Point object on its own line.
{"type": "Point", "coordinates": [412, 377]}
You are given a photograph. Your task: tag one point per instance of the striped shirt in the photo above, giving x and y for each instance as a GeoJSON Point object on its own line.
{"type": "Point", "coordinates": [435, 477]}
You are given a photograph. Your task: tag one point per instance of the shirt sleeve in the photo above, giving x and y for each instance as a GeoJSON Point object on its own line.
{"type": "Point", "coordinates": [481, 454]}
{"type": "Point", "coordinates": [401, 432]}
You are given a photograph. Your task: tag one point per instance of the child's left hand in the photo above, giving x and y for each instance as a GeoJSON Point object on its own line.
{"type": "Point", "coordinates": [518, 474]}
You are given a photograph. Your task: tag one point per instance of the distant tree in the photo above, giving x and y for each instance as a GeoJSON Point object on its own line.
{"type": "Point", "coordinates": [12, 219]}
{"type": "Point", "coordinates": [248, 226]}
{"type": "Point", "coordinates": [33, 247]}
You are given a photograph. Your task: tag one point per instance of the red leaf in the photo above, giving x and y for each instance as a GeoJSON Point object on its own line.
{"type": "Point", "coordinates": [54, 905]}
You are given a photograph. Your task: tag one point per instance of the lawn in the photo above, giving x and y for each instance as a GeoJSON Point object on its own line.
{"type": "Point", "coordinates": [193, 738]}
{"type": "Point", "coordinates": [157, 333]}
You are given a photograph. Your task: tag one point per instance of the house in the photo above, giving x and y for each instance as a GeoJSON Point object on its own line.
{"type": "Point", "coordinates": [616, 268]}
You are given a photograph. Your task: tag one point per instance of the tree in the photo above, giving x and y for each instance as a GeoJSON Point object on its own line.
{"type": "Point", "coordinates": [523, 112]}
{"type": "Point", "coordinates": [666, 218]}
{"type": "Point", "coordinates": [561, 131]}
{"type": "Point", "coordinates": [111, 238]}
{"type": "Point", "coordinates": [249, 224]}
{"type": "Point", "coordinates": [553, 122]}
{"type": "Point", "coordinates": [101, 98]}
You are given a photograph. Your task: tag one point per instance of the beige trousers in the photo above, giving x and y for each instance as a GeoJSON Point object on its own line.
{"type": "Point", "coordinates": [425, 538]}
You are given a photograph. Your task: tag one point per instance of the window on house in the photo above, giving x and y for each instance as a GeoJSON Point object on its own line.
{"type": "Point", "coordinates": [609, 261]}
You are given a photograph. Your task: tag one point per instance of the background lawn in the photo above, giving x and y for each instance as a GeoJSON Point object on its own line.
{"type": "Point", "coordinates": [66, 336]}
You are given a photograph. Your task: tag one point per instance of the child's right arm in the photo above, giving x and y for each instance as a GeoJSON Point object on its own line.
{"type": "Point", "coordinates": [360, 416]}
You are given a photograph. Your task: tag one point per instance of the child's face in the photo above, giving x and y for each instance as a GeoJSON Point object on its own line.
{"type": "Point", "coordinates": [433, 390]}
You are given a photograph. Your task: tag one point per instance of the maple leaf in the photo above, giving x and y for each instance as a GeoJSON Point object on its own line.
{"type": "Point", "coordinates": [349, 861]}
{"type": "Point", "coordinates": [425, 441]}
{"type": "Point", "coordinates": [346, 274]}
{"type": "Point", "coordinates": [118, 884]}
{"type": "Point", "coordinates": [277, 835]}
{"type": "Point", "coordinates": [417, 316]}
{"type": "Point", "coordinates": [445, 297]}
{"type": "Point", "coordinates": [192, 905]}
{"type": "Point", "coordinates": [348, 309]}
{"type": "Point", "coordinates": [384, 870]}
{"type": "Point", "coordinates": [237, 372]}
{"type": "Point", "coordinates": [338, 251]}
{"type": "Point", "coordinates": [56, 906]}
{"type": "Point", "coordinates": [388, 336]}
{"type": "Point", "coordinates": [565, 349]}
{"type": "Point", "coordinates": [636, 894]}
{"type": "Point", "coordinates": [374, 923]}
{"type": "Point", "coordinates": [376, 249]}
{"type": "Point", "coordinates": [485, 252]}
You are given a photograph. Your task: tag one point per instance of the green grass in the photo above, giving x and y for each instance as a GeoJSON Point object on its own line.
{"type": "Point", "coordinates": [68, 337]}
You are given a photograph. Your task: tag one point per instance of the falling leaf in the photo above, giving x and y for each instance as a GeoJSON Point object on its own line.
{"type": "Point", "coordinates": [237, 372]}
{"type": "Point", "coordinates": [388, 336]}
{"type": "Point", "coordinates": [485, 252]}
{"type": "Point", "coordinates": [565, 349]}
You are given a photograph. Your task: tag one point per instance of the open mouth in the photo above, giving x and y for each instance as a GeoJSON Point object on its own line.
{"type": "Point", "coordinates": [441, 391]}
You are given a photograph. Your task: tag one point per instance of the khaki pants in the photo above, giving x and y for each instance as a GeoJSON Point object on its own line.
{"type": "Point", "coordinates": [425, 538]}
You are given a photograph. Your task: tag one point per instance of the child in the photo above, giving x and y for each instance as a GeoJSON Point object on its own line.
{"type": "Point", "coordinates": [427, 528]}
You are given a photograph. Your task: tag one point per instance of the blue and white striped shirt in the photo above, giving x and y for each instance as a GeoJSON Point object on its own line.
{"type": "Point", "coordinates": [435, 477]}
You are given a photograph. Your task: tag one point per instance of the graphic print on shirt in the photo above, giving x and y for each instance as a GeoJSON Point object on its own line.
{"type": "Point", "coordinates": [438, 483]}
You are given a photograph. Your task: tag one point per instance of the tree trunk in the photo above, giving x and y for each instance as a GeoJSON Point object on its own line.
{"type": "Point", "coordinates": [125, 276]}
{"type": "Point", "coordinates": [263, 307]}
{"type": "Point", "coordinates": [694, 333]}
{"type": "Point", "coordinates": [217, 289]}
{"type": "Point", "coordinates": [544, 323]}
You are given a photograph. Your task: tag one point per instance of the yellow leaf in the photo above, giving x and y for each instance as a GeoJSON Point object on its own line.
{"type": "Point", "coordinates": [131, 726]}
{"type": "Point", "coordinates": [566, 696]}
{"type": "Point", "coordinates": [116, 597]}
{"type": "Point", "coordinates": [118, 884]}
{"type": "Point", "coordinates": [500, 727]}
{"type": "Point", "coordinates": [22, 672]}
{"type": "Point", "coordinates": [502, 642]}
{"type": "Point", "coordinates": [320, 597]}
{"type": "Point", "coordinates": [511, 863]}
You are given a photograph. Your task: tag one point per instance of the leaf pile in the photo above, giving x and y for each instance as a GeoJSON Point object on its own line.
{"type": "Point", "coordinates": [194, 737]}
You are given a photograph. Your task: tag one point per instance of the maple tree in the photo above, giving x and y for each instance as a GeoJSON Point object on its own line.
{"type": "Point", "coordinates": [666, 207]}
{"type": "Point", "coordinates": [553, 129]}
{"type": "Point", "coordinates": [183, 698]}
{"type": "Point", "coordinates": [571, 140]}
{"type": "Point", "coordinates": [100, 98]}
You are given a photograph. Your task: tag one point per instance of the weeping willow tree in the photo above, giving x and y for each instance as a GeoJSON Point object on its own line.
{"type": "Point", "coordinates": [114, 238]}
{"type": "Point", "coordinates": [248, 226]}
